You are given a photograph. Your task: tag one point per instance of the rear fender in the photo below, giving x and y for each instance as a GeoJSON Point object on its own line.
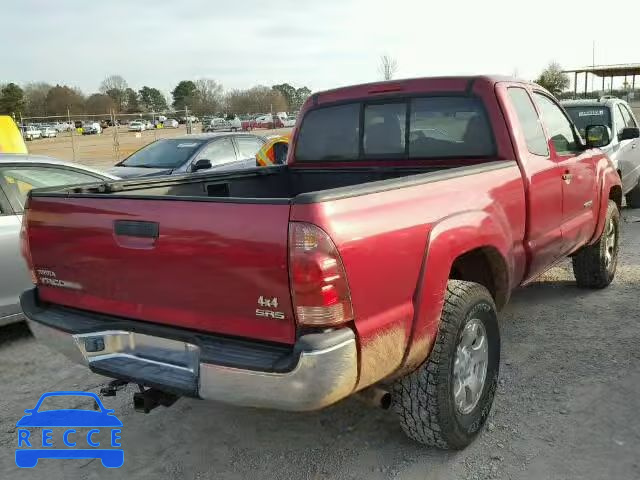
{"type": "Point", "coordinates": [448, 240]}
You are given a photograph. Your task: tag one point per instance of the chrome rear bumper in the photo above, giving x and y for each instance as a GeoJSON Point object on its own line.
{"type": "Point", "coordinates": [323, 367]}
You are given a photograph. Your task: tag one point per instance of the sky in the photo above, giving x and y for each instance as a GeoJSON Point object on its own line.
{"type": "Point", "coordinates": [321, 44]}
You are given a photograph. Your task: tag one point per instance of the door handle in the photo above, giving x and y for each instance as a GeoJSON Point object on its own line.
{"type": "Point", "coordinates": [634, 145]}
{"type": "Point", "coordinates": [567, 177]}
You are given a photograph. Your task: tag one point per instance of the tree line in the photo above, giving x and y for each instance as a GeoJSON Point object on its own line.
{"type": "Point", "coordinates": [203, 96]}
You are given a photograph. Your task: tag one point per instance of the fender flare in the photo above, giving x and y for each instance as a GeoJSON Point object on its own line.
{"type": "Point", "coordinates": [609, 179]}
{"type": "Point", "coordinates": [449, 239]}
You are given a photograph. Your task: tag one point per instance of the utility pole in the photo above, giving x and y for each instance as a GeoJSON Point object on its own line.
{"type": "Point", "coordinates": [116, 139]}
{"type": "Point", "coordinates": [593, 62]}
{"type": "Point", "coordinates": [73, 127]}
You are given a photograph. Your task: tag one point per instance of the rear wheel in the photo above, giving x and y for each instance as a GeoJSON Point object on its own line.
{"type": "Point", "coordinates": [633, 197]}
{"type": "Point", "coordinates": [446, 401]}
{"type": "Point", "coordinates": [595, 265]}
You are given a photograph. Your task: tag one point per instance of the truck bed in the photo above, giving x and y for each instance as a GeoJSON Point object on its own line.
{"type": "Point", "coordinates": [278, 184]}
{"type": "Point", "coordinates": [197, 251]}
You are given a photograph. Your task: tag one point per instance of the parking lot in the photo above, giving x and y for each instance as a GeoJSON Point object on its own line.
{"type": "Point", "coordinates": [98, 150]}
{"type": "Point", "coordinates": [566, 406]}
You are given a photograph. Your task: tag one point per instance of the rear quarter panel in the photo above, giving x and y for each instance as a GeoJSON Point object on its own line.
{"type": "Point", "coordinates": [398, 247]}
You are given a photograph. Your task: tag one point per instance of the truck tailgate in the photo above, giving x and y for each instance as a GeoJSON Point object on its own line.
{"type": "Point", "coordinates": [194, 264]}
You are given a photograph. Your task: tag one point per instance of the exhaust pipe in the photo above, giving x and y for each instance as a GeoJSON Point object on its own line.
{"type": "Point", "coordinates": [376, 396]}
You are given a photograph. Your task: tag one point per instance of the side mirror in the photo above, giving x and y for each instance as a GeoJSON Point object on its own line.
{"type": "Point", "coordinates": [629, 133]}
{"type": "Point", "coordinates": [597, 136]}
{"type": "Point", "coordinates": [202, 164]}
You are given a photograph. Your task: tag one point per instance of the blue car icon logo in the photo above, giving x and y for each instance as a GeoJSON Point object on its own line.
{"type": "Point", "coordinates": [76, 427]}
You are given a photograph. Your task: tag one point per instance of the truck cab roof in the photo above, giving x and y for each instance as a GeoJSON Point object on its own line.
{"type": "Point", "coordinates": [420, 84]}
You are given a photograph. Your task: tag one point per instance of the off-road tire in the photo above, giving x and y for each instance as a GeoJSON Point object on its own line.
{"type": "Point", "coordinates": [424, 399]}
{"type": "Point", "coordinates": [633, 197]}
{"type": "Point", "coordinates": [590, 267]}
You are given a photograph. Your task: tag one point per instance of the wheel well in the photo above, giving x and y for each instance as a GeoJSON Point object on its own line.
{"type": "Point", "coordinates": [485, 266]}
{"type": "Point", "coordinates": [615, 194]}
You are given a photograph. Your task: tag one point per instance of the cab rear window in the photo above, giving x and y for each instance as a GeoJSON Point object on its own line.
{"type": "Point", "coordinates": [416, 128]}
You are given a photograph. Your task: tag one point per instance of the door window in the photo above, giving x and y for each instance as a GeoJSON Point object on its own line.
{"type": "Point", "coordinates": [629, 121]}
{"type": "Point", "coordinates": [219, 152]}
{"type": "Point", "coordinates": [18, 181]}
{"type": "Point", "coordinates": [618, 119]}
{"type": "Point", "coordinates": [558, 125]}
{"type": "Point", "coordinates": [528, 117]}
{"type": "Point", "coordinates": [248, 146]}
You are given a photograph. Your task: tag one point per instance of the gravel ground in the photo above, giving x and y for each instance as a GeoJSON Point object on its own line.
{"type": "Point", "coordinates": [566, 408]}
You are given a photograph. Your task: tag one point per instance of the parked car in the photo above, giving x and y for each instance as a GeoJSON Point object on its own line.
{"type": "Point", "coordinates": [137, 126]}
{"type": "Point", "coordinates": [224, 125]}
{"type": "Point", "coordinates": [247, 123]}
{"type": "Point", "coordinates": [48, 132]}
{"type": "Point", "coordinates": [170, 123]}
{"type": "Point", "coordinates": [18, 175]}
{"type": "Point", "coordinates": [30, 132]}
{"type": "Point", "coordinates": [376, 261]}
{"type": "Point", "coordinates": [62, 126]}
{"type": "Point", "coordinates": [191, 153]}
{"type": "Point", "coordinates": [268, 121]}
{"type": "Point", "coordinates": [274, 121]}
{"type": "Point", "coordinates": [288, 122]}
{"type": "Point", "coordinates": [621, 142]}
{"type": "Point", "coordinates": [91, 128]}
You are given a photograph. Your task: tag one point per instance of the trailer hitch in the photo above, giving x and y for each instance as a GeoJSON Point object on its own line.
{"type": "Point", "coordinates": [146, 400]}
{"type": "Point", "coordinates": [112, 388]}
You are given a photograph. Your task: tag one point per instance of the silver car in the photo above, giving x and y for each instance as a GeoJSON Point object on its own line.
{"type": "Point", "coordinates": [624, 146]}
{"type": "Point", "coordinates": [18, 175]}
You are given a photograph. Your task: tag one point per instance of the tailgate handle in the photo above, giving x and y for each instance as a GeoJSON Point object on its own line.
{"type": "Point", "coordinates": [135, 228]}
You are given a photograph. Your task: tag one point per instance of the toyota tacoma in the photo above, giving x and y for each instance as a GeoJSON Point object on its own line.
{"type": "Point", "coordinates": [376, 260]}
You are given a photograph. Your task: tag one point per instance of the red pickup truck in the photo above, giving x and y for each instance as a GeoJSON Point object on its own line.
{"type": "Point", "coordinates": [375, 262]}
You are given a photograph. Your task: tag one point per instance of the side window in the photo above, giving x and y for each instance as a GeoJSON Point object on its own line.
{"type": "Point", "coordinates": [248, 146]}
{"type": "Point", "coordinates": [219, 152]}
{"type": "Point", "coordinates": [5, 208]}
{"type": "Point", "coordinates": [528, 117]}
{"type": "Point", "coordinates": [618, 120]}
{"type": "Point", "coordinates": [558, 126]}
{"type": "Point", "coordinates": [629, 120]}
{"type": "Point", "coordinates": [20, 180]}
{"type": "Point", "coordinates": [384, 127]}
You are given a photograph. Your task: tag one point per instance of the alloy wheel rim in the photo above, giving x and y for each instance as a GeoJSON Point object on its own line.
{"type": "Point", "coordinates": [610, 243]}
{"type": "Point", "coordinates": [470, 366]}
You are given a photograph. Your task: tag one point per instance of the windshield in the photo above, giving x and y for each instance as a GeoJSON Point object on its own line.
{"type": "Point", "coordinates": [589, 115]}
{"type": "Point", "coordinates": [169, 153]}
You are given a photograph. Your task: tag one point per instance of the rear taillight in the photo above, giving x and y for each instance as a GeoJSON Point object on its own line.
{"type": "Point", "coordinates": [318, 282]}
{"type": "Point", "coordinates": [24, 242]}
